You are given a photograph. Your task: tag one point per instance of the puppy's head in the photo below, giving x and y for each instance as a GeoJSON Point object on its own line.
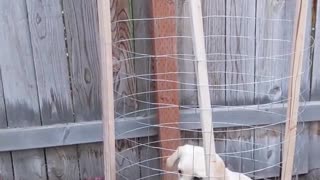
{"type": "Point", "coordinates": [191, 163]}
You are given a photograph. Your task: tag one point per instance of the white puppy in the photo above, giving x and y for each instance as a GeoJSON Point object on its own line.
{"type": "Point", "coordinates": [191, 165]}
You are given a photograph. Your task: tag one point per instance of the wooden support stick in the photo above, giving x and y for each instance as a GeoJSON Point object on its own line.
{"type": "Point", "coordinates": [203, 82]}
{"type": "Point", "coordinates": [165, 69]}
{"type": "Point", "coordinates": [107, 89]}
{"type": "Point", "coordinates": [294, 89]}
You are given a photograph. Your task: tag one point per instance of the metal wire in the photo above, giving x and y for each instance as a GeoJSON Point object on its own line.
{"type": "Point", "coordinates": [243, 85]}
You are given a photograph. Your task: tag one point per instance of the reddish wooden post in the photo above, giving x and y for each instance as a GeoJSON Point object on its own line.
{"type": "Point", "coordinates": [166, 85]}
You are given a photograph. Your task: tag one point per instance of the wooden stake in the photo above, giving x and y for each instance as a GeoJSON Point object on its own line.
{"type": "Point", "coordinates": [294, 89]}
{"type": "Point", "coordinates": [166, 81]}
{"type": "Point", "coordinates": [203, 82]}
{"type": "Point", "coordinates": [107, 89]}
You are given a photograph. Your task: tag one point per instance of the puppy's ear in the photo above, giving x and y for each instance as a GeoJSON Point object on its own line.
{"type": "Point", "coordinates": [174, 157]}
{"type": "Point", "coordinates": [219, 165]}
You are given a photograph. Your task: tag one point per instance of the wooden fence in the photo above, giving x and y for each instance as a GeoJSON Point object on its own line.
{"type": "Point", "coordinates": [50, 105]}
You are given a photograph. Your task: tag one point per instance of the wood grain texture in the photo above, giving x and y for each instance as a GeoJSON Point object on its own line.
{"type": "Point", "coordinates": [49, 52]}
{"type": "Point", "coordinates": [267, 152]}
{"type": "Point", "coordinates": [6, 171]}
{"type": "Point", "coordinates": [127, 160]}
{"type": "Point", "coordinates": [81, 22]}
{"type": "Point", "coordinates": [91, 160]}
{"type": "Point", "coordinates": [125, 85]}
{"type": "Point", "coordinates": [240, 35]}
{"type": "Point", "coordinates": [186, 65]}
{"type": "Point", "coordinates": [148, 157]}
{"type": "Point", "coordinates": [274, 50]}
{"type": "Point", "coordinates": [301, 161]}
{"type": "Point", "coordinates": [148, 152]}
{"type": "Point", "coordinates": [143, 52]}
{"type": "Point", "coordinates": [62, 163]}
{"type": "Point", "coordinates": [299, 32]}
{"type": "Point", "coordinates": [233, 149]}
{"type": "Point", "coordinates": [273, 42]}
{"type": "Point", "coordinates": [214, 31]}
{"type": "Point", "coordinates": [240, 52]}
{"type": "Point", "coordinates": [215, 47]}
{"type": "Point", "coordinates": [107, 87]}
{"type": "Point", "coordinates": [19, 84]}
{"type": "Point", "coordinates": [204, 101]}
{"type": "Point", "coordinates": [164, 68]}
{"type": "Point", "coordinates": [314, 140]}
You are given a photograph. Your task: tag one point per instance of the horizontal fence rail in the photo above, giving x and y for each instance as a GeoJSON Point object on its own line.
{"type": "Point", "coordinates": [89, 132]}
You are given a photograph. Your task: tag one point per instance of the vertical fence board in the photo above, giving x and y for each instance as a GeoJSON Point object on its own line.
{"type": "Point", "coordinates": [123, 53]}
{"type": "Point", "coordinates": [267, 53]}
{"type": "Point", "coordinates": [214, 31]}
{"type": "Point", "coordinates": [81, 22]}
{"type": "Point", "coordinates": [147, 153]}
{"type": "Point", "coordinates": [49, 52]}
{"type": "Point", "coordinates": [239, 73]}
{"type": "Point", "coordinates": [240, 52]}
{"type": "Point", "coordinates": [267, 152]}
{"type": "Point", "coordinates": [314, 140]}
{"type": "Point", "coordinates": [6, 171]}
{"type": "Point", "coordinates": [273, 46]}
{"type": "Point", "coordinates": [186, 65]}
{"type": "Point", "coordinates": [301, 161]}
{"type": "Point", "coordinates": [19, 85]}
{"type": "Point", "coordinates": [143, 52]}
{"type": "Point", "coordinates": [127, 160]}
{"type": "Point", "coordinates": [125, 84]}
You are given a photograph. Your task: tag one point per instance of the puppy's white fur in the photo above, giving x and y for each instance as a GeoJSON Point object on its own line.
{"type": "Point", "coordinates": [192, 164]}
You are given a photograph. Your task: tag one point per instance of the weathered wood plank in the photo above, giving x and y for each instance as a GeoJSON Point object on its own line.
{"type": "Point", "coordinates": [240, 45]}
{"type": "Point", "coordinates": [239, 74]}
{"type": "Point", "coordinates": [186, 65]}
{"type": "Point", "coordinates": [267, 152]}
{"type": "Point", "coordinates": [301, 161]}
{"type": "Point", "coordinates": [125, 83]}
{"type": "Point", "coordinates": [148, 154]}
{"type": "Point", "coordinates": [247, 150]}
{"type": "Point", "coordinates": [127, 159]}
{"type": "Point", "coordinates": [19, 84]}
{"type": "Point", "coordinates": [215, 47]}
{"type": "Point", "coordinates": [81, 22]}
{"type": "Point", "coordinates": [273, 46]}
{"type": "Point", "coordinates": [204, 100]}
{"type": "Point", "coordinates": [315, 94]}
{"type": "Point", "coordinates": [314, 145]}
{"type": "Point", "coordinates": [91, 160]}
{"type": "Point", "coordinates": [6, 171]}
{"type": "Point", "coordinates": [49, 52]}
{"type": "Point", "coordinates": [62, 163]}
{"type": "Point", "coordinates": [233, 149]}
{"type": "Point", "coordinates": [289, 147]}
{"type": "Point", "coordinates": [143, 51]}
{"type": "Point", "coordinates": [214, 31]}
{"type": "Point", "coordinates": [315, 87]}
{"type": "Point", "coordinates": [149, 158]}
{"type": "Point", "coordinates": [89, 132]}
